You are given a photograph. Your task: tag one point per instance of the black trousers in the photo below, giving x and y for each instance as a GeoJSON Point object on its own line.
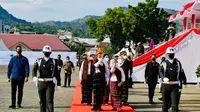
{"type": "Point", "coordinates": [67, 77]}
{"type": "Point", "coordinates": [106, 94]}
{"type": "Point", "coordinates": [17, 84]}
{"type": "Point", "coordinates": [46, 95]}
{"type": "Point", "coordinates": [170, 93]}
{"type": "Point", "coordinates": [151, 87]}
{"type": "Point", "coordinates": [98, 89]}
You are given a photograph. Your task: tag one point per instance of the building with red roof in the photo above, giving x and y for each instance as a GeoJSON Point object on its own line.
{"type": "Point", "coordinates": [33, 42]}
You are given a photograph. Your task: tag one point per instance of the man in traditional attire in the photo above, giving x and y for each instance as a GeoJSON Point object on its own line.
{"type": "Point", "coordinates": [100, 79]}
{"type": "Point", "coordinates": [86, 74]}
{"type": "Point", "coordinates": [125, 65]}
{"type": "Point", "coordinates": [116, 80]}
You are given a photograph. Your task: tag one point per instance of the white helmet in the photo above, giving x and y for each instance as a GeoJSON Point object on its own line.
{"type": "Point", "coordinates": [170, 50]}
{"type": "Point", "coordinates": [47, 48]}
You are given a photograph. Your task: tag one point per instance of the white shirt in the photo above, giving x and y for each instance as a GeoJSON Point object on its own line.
{"type": "Point", "coordinates": [107, 75]}
{"type": "Point", "coordinates": [81, 70]}
{"type": "Point", "coordinates": [113, 76]}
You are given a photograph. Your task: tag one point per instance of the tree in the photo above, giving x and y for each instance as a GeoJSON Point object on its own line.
{"type": "Point", "coordinates": [136, 24]}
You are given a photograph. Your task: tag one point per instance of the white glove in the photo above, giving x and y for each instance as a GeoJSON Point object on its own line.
{"type": "Point", "coordinates": [165, 79]}
{"type": "Point", "coordinates": [55, 81]}
{"type": "Point", "coordinates": [35, 79]}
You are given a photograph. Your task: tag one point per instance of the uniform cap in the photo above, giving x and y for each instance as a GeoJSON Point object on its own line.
{"type": "Point", "coordinates": [170, 50]}
{"type": "Point", "coordinates": [47, 48]}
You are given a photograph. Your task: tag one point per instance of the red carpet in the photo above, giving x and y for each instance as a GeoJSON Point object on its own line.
{"type": "Point", "coordinates": [78, 107]}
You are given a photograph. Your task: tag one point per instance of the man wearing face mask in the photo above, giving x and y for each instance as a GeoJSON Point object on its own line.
{"type": "Point", "coordinates": [47, 79]}
{"type": "Point", "coordinates": [151, 76]}
{"type": "Point", "coordinates": [170, 71]}
{"type": "Point", "coordinates": [68, 67]}
{"type": "Point", "coordinates": [125, 65]}
{"type": "Point", "coordinates": [18, 73]}
{"type": "Point", "coordinates": [86, 75]}
{"type": "Point", "coordinates": [100, 79]}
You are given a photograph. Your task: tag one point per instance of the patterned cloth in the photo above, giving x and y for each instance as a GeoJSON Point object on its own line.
{"type": "Point", "coordinates": [124, 96]}
{"type": "Point", "coordinates": [98, 85]}
{"type": "Point", "coordinates": [115, 93]}
{"type": "Point", "coordinates": [87, 91]}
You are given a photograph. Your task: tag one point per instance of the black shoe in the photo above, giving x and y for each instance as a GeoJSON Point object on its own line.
{"type": "Point", "coordinates": [64, 86]}
{"type": "Point", "coordinates": [151, 101]}
{"type": "Point", "coordinates": [160, 99]}
{"type": "Point", "coordinates": [114, 109]}
{"type": "Point", "coordinates": [125, 103]}
{"type": "Point", "coordinates": [69, 86]}
{"type": "Point", "coordinates": [13, 107]}
{"type": "Point", "coordinates": [95, 109]}
{"type": "Point", "coordinates": [100, 109]}
{"type": "Point", "coordinates": [19, 106]}
{"type": "Point", "coordinates": [89, 104]}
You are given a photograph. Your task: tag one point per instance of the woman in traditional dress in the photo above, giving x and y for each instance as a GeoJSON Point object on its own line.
{"type": "Point", "coordinates": [116, 80]}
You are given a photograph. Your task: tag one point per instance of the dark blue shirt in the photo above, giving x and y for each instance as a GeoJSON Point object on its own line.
{"type": "Point", "coordinates": [18, 68]}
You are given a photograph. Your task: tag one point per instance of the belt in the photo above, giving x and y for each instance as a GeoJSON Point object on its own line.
{"type": "Point", "coordinates": [45, 79]}
{"type": "Point", "coordinates": [171, 82]}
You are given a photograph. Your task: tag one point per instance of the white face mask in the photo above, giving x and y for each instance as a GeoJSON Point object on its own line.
{"type": "Point", "coordinates": [67, 60]}
{"type": "Point", "coordinates": [107, 59]}
{"type": "Point", "coordinates": [125, 57]}
{"type": "Point", "coordinates": [91, 58]}
{"type": "Point", "coordinates": [119, 61]}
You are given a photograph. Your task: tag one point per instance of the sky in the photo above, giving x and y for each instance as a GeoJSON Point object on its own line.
{"type": "Point", "coordinates": [67, 10]}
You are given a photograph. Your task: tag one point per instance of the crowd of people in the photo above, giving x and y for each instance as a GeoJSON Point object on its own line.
{"type": "Point", "coordinates": [106, 78]}
{"type": "Point", "coordinates": [103, 77]}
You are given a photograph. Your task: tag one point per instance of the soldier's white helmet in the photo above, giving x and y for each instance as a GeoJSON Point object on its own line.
{"type": "Point", "coordinates": [170, 50]}
{"type": "Point", "coordinates": [47, 48]}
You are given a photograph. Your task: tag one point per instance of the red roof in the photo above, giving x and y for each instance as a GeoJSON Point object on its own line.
{"type": "Point", "coordinates": [34, 42]}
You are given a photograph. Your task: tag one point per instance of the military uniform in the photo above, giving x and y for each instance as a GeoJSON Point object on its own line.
{"type": "Point", "coordinates": [169, 72]}
{"type": "Point", "coordinates": [47, 79]}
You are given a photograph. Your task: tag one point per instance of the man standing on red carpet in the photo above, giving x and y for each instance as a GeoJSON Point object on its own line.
{"type": "Point", "coordinates": [86, 75]}
{"type": "Point", "coordinates": [100, 79]}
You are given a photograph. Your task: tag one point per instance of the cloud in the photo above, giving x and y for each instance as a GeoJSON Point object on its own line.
{"type": "Point", "coordinates": [66, 10]}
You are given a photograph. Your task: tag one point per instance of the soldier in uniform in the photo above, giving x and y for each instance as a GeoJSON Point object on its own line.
{"type": "Point", "coordinates": [47, 80]}
{"type": "Point", "coordinates": [151, 76]}
{"type": "Point", "coordinates": [170, 70]}
{"type": "Point", "coordinates": [68, 66]}
{"type": "Point", "coordinates": [100, 79]}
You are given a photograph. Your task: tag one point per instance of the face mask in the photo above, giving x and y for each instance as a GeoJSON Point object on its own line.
{"type": "Point", "coordinates": [107, 59]}
{"type": "Point", "coordinates": [153, 59]}
{"type": "Point", "coordinates": [91, 58]}
{"type": "Point", "coordinates": [68, 59]}
{"type": "Point", "coordinates": [119, 61]}
{"type": "Point", "coordinates": [47, 54]}
{"type": "Point", "coordinates": [171, 56]}
{"type": "Point", "coordinates": [125, 57]}
{"type": "Point", "coordinates": [19, 52]}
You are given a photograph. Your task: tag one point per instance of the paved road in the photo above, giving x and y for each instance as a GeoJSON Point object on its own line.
{"type": "Point", "coordinates": [190, 101]}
